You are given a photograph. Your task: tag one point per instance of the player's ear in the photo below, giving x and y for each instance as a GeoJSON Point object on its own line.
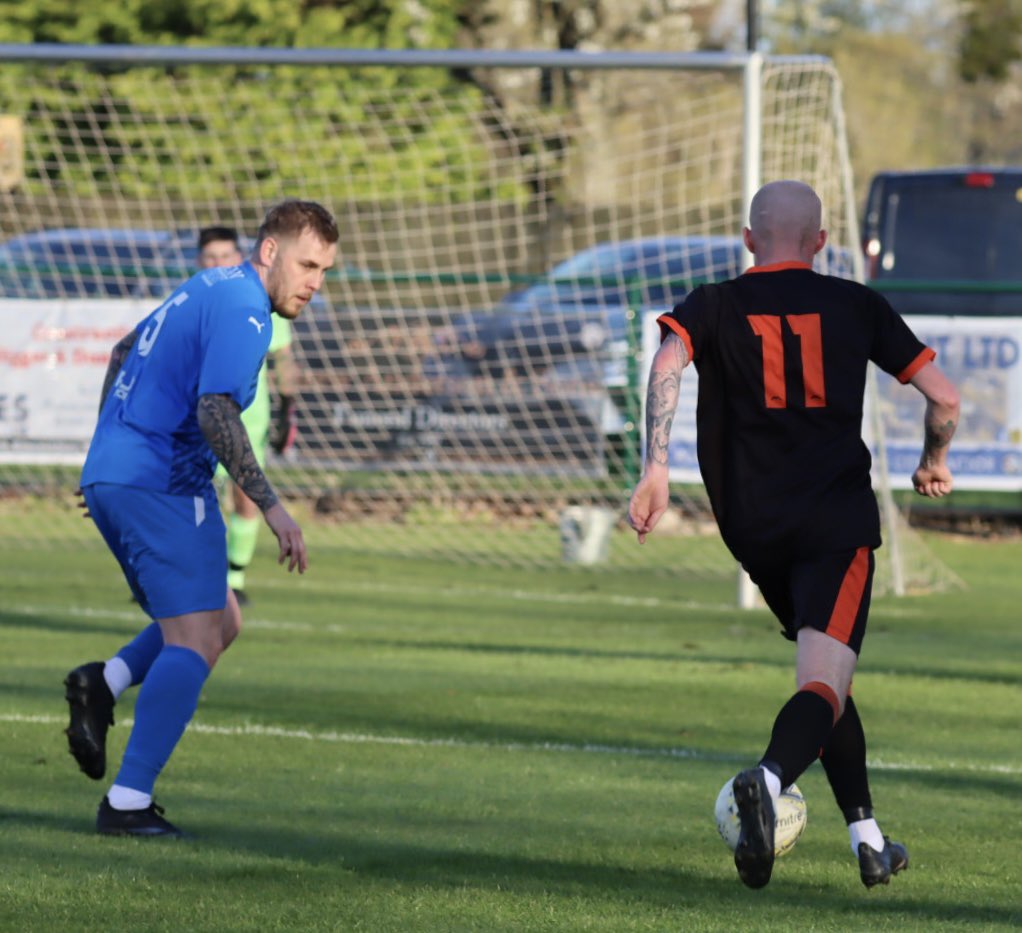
{"type": "Point", "coordinates": [821, 241]}
{"type": "Point", "coordinates": [268, 249]}
{"type": "Point", "coordinates": [748, 241]}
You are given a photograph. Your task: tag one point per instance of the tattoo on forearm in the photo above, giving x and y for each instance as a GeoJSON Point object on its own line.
{"type": "Point", "coordinates": [220, 422]}
{"type": "Point", "coordinates": [938, 436]}
{"type": "Point", "coordinates": [660, 414]}
{"type": "Point", "coordinates": [662, 397]}
{"type": "Point", "coordinates": [117, 357]}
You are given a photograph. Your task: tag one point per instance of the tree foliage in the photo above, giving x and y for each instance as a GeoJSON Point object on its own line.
{"type": "Point", "coordinates": [990, 39]}
{"type": "Point", "coordinates": [927, 82]}
{"type": "Point", "coordinates": [281, 23]}
{"type": "Point", "coordinates": [903, 64]}
{"type": "Point", "coordinates": [103, 126]}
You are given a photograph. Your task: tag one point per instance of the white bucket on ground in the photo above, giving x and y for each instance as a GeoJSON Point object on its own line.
{"type": "Point", "coordinates": [585, 534]}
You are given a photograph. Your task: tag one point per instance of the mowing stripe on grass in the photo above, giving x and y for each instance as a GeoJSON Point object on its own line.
{"type": "Point", "coordinates": [541, 596]}
{"type": "Point", "coordinates": [126, 615]}
{"type": "Point", "coordinates": [535, 596]}
{"type": "Point", "coordinates": [358, 738]}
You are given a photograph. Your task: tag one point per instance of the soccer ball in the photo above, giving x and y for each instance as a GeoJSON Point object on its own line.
{"type": "Point", "coordinates": [790, 818]}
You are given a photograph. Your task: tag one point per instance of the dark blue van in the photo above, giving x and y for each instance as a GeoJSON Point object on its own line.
{"type": "Point", "coordinates": [946, 241]}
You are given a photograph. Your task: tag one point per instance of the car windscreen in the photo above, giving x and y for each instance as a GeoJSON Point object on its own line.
{"type": "Point", "coordinates": [647, 274]}
{"type": "Point", "coordinates": [77, 265]}
{"type": "Point", "coordinates": [595, 276]}
{"type": "Point", "coordinates": [952, 232]}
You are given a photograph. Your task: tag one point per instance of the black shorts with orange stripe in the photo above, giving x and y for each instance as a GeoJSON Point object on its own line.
{"type": "Point", "coordinates": [830, 593]}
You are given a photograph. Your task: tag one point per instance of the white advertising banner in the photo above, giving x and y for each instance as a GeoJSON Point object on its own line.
{"type": "Point", "coordinates": [53, 356]}
{"type": "Point", "coordinates": [982, 356]}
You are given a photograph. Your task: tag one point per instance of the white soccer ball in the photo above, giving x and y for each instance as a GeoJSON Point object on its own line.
{"type": "Point", "coordinates": [789, 818]}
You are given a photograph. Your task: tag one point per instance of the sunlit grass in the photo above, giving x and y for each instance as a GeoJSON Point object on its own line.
{"type": "Point", "coordinates": [415, 745]}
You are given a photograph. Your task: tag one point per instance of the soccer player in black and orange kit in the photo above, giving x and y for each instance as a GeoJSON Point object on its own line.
{"type": "Point", "coordinates": [782, 355]}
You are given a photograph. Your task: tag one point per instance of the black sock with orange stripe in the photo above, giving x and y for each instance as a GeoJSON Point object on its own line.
{"type": "Point", "coordinates": [844, 760]}
{"type": "Point", "coordinates": [801, 729]}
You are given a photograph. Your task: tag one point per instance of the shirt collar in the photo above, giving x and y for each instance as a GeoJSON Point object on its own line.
{"type": "Point", "coordinates": [780, 266]}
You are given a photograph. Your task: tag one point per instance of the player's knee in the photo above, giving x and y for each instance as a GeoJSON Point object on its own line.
{"type": "Point", "coordinates": [198, 632]}
{"type": "Point", "coordinates": [825, 660]}
{"type": "Point", "coordinates": [230, 623]}
{"type": "Point", "coordinates": [229, 631]}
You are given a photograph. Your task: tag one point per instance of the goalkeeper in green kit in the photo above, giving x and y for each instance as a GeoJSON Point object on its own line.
{"type": "Point", "coordinates": [218, 246]}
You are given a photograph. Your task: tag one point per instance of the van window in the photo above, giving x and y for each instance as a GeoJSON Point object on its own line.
{"type": "Point", "coordinates": [966, 226]}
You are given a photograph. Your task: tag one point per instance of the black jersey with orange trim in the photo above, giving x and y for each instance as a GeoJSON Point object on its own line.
{"type": "Point", "coordinates": [782, 355]}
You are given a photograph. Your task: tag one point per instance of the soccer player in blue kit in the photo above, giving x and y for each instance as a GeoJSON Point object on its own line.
{"type": "Point", "coordinates": [170, 409]}
{"type": "Point", "coordinates": [782, 354]}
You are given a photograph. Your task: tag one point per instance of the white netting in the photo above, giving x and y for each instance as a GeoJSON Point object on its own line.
{"type": "Point", "coordinates": [445, 410]}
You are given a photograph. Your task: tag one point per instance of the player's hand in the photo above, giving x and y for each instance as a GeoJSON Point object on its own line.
{"type": "Point", "coordinates": [289, 537]}
{"type": "Point", "coordinates": [932, 481]}
{"type": "Point", "coordinates": [285, 425]}
{"type": "Point", "coordinates": [649, 502]}
{"type": "Point", "coordinates": [81, 503]}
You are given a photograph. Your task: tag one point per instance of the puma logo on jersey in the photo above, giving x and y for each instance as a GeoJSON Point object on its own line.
{"type": "Point", "coordinates": [259, 326]}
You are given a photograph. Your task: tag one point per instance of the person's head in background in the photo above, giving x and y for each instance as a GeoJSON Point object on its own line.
{"type": "Point", "coordinates": [218, 246]}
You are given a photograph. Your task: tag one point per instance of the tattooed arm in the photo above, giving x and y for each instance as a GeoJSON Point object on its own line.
{"type": "Point", "coordinates": [651, 496]}
{"type": "Point", "coordinates": [662, 397]}
{"type": "Point", "coordinates": [933, 476]}
{"type": "Point", "coordinates": [220, 423]}
{"type": "Point", "coordinates": [117, 356]}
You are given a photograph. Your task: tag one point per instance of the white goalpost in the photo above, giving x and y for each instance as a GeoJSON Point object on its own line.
{"type": "Point", "coordinates": [748, 597]}
{"type": "Point", "coordinates": [471, 379]}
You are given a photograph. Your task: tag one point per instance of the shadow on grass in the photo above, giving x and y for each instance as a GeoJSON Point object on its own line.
{"type": "Point", "coordinates": [566, 651]}
{"type": "Point", "coordinates": [24, 694]}
{"type": "Point", "coordinates": [438, 867]}
{"type": "Point", "coordinates": [75, 625]}
{"type": "Point", "coordinates": [962, 785]}
{"type": "Point", "coordinates": [690, 657]}
{"type": "Point", "coordinates": [948, 674]}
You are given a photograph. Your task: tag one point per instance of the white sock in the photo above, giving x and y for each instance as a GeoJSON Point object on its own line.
{"type": "Point", "coordinates": [125, 798]}
{"type": "Point", "coordinates": [773, 783]}
{"type": "Point", "coordinates": [117, 675]}
{"type": "Point", "coordinates": [866, 831]}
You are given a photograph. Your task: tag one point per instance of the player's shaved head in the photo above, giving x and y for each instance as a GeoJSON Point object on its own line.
{"type": "Point", "coordinates": [784, 222]}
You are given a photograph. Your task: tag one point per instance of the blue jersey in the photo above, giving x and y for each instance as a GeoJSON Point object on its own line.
{"type": "Point", "coordinates": [209, 337]}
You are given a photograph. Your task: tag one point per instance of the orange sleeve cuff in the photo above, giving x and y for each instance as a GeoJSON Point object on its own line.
{"type": "Point", "coordinates": [926, 356]}
{"type": "Point", "coordinates": [668, 323]}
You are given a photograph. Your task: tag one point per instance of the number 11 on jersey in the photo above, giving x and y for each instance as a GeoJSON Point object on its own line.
{"type": "Point", "coordinates": [807, 328]}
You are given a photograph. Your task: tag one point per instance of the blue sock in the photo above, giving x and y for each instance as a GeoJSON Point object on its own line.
{"type": "Point", "coordinates": [141, 651]}
{"type": "Point", "coordinates": [165, 705]}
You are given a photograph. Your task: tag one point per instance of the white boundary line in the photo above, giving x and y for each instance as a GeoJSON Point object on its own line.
{"type": "Point", "coordinates": [443, 592]}
{"type": "Point", "coordinates": [624, 751]}
{"type": "Point", "coordinates": [126, 615]}
{"type": "Point", "coordinates": [538, 596]}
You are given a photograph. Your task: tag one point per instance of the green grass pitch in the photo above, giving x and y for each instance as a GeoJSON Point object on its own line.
{"type": "Point", "coordinates": [396, 745]}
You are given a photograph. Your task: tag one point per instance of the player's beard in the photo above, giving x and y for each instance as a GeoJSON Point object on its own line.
{"type": "Point", "coordinates": [279, 298]}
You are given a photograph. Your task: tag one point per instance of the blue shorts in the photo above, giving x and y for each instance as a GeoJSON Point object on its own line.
{"type": "Point", "coordinates": [172, 549]}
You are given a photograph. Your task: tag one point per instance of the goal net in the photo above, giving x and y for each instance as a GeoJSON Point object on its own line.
{"type": "Point", "coordinates": [472, 373]}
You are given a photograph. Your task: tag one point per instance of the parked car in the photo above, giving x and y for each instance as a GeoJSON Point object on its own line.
{"type": "Point", "coordinates": [92, 262]}
{"type": "Point", "coordinates": [98, 262]}
{"type": "Point", "coordinates": [573, 334]}
{"type": "Point", "coordinates": [574, 321]}
{"type": "Point", "coordinates": [946, 241]}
